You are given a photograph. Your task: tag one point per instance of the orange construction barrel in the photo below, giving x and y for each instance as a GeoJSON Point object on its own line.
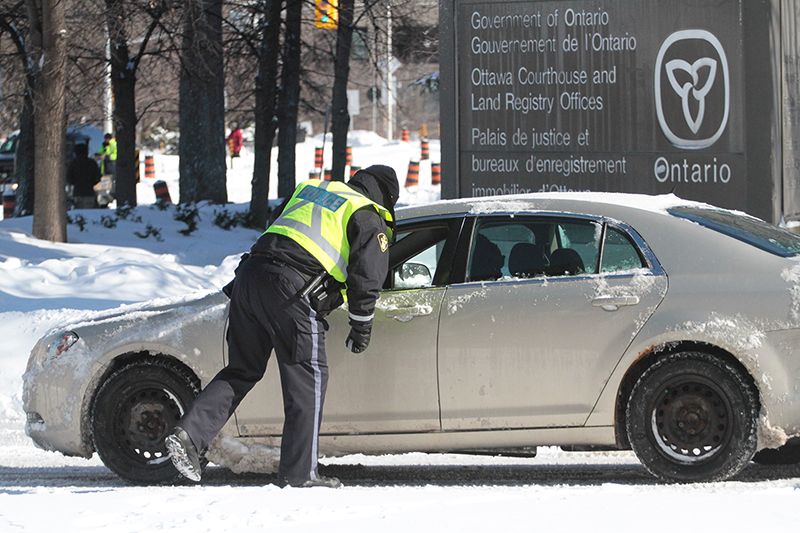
{"type": "Point", "coordinates": [9, 203]}
{"type": "Point", "coordinates": [412, 178]}
{"type": "Point", "coordinates": [328, 174]}
{"type": "Point", "coordinates": [313, 175]}
{"type": "Point", "coordinates": [425, 151]}
{"type": "Point", "coordinates": [317, 157]}
{"type": "Point", "coordinates": [404, 135]}
{"type": "Point", "coordinates": [149, 167]}
{"type": "Point", "coordinates": [353, 170]}
{"type": "Point", "coordinates": [349, 158]}
{"type": "Point", "coordinates": [162, 191]}
{"type": "Point", "coordinates": [436, 173]}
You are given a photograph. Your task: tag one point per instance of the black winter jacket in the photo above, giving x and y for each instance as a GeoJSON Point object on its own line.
{"type": "Point", "coordinates": [83, 173]}
{"type": "Point", "coordinates": [368, 262]}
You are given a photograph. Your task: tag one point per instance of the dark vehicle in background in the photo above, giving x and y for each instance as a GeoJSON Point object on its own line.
{"type": "Point", "coordinates": [8, 155]}
{"type": "Point", "coordinates": [76, 134]}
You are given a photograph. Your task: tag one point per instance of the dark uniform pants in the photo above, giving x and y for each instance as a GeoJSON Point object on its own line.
{"type": "Point", "coordinates": [260, 320]}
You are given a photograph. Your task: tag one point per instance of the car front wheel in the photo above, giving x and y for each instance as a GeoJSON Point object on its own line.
{"type": "Point", "coordinates": [693, 417]}
{"type": "Point", "coordinates": [134, 411]}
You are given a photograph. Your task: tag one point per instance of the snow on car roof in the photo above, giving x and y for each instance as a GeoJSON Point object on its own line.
{"type": "Point", "coordinates": [522, 202]}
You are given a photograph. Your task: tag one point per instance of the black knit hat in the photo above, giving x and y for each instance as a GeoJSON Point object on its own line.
{"type": "Point", "coordinates": [380, 185]}
{"type": "Point", "coordinates": [387, 181]}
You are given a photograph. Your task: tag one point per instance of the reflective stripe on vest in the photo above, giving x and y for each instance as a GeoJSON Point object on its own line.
{"type": "Point", "coordinates": [316, 217]}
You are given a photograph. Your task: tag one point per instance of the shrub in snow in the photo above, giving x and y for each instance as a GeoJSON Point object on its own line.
{"type": "Point", "coordinates": [247, 219]}
{"type": "Point", "coordinates": [161, 204]}
{"type": "Point", "coordinates": [107, 221]}
{"type": "Point", "coordinates": [126, 212]}
{"type": "Point", "coordinates": [189, 214]}
{"type": "Point", "coordinates": [224, 219]}
{"type": "Point", "coordinates": [78, 220]}
{"type": "Point", "coordinates": [227, 220]}
{"type": "Point", "coordinates": [148, 231]}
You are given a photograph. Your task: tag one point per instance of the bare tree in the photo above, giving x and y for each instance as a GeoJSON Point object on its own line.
{"type": "Point", "coordinates": [265, 112]}
{"type": "Point", "coordinates": [24, 168]}
{"type": "Point", "coordinates": [48, 43]}
{"type": "Point", "coordinates": [202, 104]}
{"type": "Point", "coordinates": [124, 70]}
{"type": "Point", "coordinates": [341, 117]}
{"type": "Point", "coordinates": [124, 67]}
{"type": "Point", "coordinates": [289, 99]}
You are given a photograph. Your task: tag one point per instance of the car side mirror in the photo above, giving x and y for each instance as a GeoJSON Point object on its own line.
{"type": "Point", "coordinates": [412, 275]}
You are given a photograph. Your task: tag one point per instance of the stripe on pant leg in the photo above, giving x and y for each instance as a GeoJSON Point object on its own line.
{"type": "Point", "coordinates": [317, 390]}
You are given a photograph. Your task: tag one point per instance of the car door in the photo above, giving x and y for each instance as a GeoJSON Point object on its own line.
{"type": "Point", "coordinates": [392, 386]}
{"type": "Point", "coordinates": [548, 307]}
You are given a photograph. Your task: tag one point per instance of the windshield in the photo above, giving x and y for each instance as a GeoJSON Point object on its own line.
{"type": "Point", "coordinates": [9, 144]}
{"type": "Point", "coordinates": [748, 229]}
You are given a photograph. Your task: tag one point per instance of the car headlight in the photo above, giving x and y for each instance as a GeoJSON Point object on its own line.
{"type": "Point", "coordinates": [50, 347]}
{"type": "Point", "coordinates": [61, 344]}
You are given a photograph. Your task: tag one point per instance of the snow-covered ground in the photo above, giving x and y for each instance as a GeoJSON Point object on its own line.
{"type": "Point", "coordinates": [42, 284]}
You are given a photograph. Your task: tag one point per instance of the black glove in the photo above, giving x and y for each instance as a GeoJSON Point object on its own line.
{"type": "Point", "coordinates": [358, 340]}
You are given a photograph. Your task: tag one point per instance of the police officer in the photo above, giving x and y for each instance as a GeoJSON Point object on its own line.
{"type": "Point", "coordinates": [328, 235]}
{"type": "Point", "coordinates": [107, 155]}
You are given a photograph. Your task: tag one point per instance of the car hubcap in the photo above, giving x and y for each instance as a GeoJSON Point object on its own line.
{"type": "Point", "coordinates": [691, 420]}
{"type": "Point", "coordinates": [147, 417]}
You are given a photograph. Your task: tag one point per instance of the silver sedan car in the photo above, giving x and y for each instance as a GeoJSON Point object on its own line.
{"type": "Point", "coordinates": [590, 321]}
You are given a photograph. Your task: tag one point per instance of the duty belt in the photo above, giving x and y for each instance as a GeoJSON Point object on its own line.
{"type": "Point", "coordinates": [311, 284]}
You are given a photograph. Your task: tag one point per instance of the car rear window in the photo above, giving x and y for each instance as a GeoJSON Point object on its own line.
{"type": "Point", "coordinates": [748, 229]}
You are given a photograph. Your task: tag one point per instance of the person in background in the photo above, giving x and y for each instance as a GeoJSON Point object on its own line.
{"type": "Point", "coordinates": [83, 174]}
{"type": "Point", "coordinates": [235, 140]}
{"type": "Point", "coordinates": [107, 155]}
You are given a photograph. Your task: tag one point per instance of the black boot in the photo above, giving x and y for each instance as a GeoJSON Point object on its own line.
{"type": "Point", "coordinates": [184, 454]}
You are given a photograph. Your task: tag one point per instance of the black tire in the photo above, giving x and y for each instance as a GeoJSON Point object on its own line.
{"type": "Point", "coordinates": [788, 454]}
{"type": "Point", "coordinates": [134, 411]}
{"type": "Point", "coordinates": [693, 417]}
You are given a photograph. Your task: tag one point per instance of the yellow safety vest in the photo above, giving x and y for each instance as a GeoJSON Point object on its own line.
{"type": "Point", "coordinates": [109, 150]}
{"type": "Point", "coordinates": [316, 217]}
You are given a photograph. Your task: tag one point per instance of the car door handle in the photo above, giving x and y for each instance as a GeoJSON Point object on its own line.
{"type": "Point", "coordinates": [404, 314]}
{"type": "Point", "coordinates": [612, 303]}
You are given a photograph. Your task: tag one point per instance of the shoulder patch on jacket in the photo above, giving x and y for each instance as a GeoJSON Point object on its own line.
{"type": "Point", "coordinates": [383, 241]}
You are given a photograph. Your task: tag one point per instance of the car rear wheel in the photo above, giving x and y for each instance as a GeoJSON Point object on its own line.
{"type": "Point", "coordinates": [134, 411]}
{"type": "Point", "coordinates": [693, 417]}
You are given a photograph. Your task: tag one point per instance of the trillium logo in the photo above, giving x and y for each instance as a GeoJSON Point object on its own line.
{"type": "Point", "coordinates": [692, 89]}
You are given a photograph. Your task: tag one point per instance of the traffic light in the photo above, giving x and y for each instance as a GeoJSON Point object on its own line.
{"type": "Point", "coordinates": [327, 14]}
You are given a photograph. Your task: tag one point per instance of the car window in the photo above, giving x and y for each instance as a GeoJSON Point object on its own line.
{"type": "Point", "coordinates": [530, 246]}
{"type": "Point", "coordinates": [743, 227]}
{"type": "Point", "coordinates": [415, 257]}
{"type": "Point", "coordinates": [619, 253]}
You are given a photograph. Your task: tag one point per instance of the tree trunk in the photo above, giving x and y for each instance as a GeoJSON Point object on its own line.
{"type": "Point", "coordinates": [49, 44]}
{"type": "Point", "coordinates": [202, 105]}
{"type": "Point", "coordinates": [26, 158]}
{"type": "Point", "coordinates": [266, 90]}
{"type": "Point", "coordinates": [341, 117]}
{"type": "Point", "coordinates": [124, 91]}
{"type": "Point", "coordinates": [289, 99]}
{"type": "Point", "coordinates": [123, 86]}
